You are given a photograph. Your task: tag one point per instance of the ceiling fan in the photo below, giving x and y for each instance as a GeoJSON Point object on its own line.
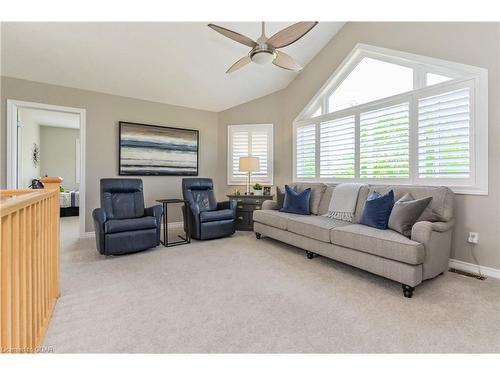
{"type": "Point", "coordinates": [265, 50]}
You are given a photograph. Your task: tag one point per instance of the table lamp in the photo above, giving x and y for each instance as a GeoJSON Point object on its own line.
{"type": "Point", "coordinates": [249, 164]}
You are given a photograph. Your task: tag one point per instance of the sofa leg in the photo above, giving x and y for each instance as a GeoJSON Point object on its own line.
{"type": "Point", "coordinates": [408, 290]}
{"type": "Point", "coordinates": [309, 254]}
{"type": "Point", "coordinates": [258, 235]}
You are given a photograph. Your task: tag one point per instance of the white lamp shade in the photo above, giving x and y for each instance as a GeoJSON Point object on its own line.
{"type": "Point", "coordinates": [249, 164]}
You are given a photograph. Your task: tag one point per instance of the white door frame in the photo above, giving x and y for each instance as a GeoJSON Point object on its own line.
{"type": "Point", "coordinates": [12, 145]}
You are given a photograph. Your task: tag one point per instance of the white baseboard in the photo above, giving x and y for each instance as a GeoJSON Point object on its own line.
{"type": "Point", "coordinates": [474, 268]}
{"type": "Point", "coordinates": [174, 225]}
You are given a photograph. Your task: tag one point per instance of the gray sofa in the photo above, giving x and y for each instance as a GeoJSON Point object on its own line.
{"type": "Point", "coordinates": [383, 252]}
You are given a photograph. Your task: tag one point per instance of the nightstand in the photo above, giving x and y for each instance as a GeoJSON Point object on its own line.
{"type": "Point", "coordinates": [245, 206]}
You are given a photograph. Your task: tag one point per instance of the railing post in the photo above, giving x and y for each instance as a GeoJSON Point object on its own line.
{"type": "Point", "coordinates": [54, 183]}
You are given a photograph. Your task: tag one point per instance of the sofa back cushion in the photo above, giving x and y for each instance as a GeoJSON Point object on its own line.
{"type": "Point", "coordinates": [317, 191]}
{"type": "Point", "coordinates": [440, 208]}
{"type": "Point", "coordinates": [324, 203]}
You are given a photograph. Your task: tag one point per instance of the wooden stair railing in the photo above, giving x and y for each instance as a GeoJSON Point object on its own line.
{"type": "Point", "coordinates": [29, 265]}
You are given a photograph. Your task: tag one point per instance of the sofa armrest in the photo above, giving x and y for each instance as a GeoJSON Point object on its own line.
{"type": "Point", "coordinates": [422, 230]}
{"type": "Point", "coordinates": [99, 216]}
{"type": "Point", "coordinates": [436, 238]}
{"type": "Point", "coordinates": [269, 205]}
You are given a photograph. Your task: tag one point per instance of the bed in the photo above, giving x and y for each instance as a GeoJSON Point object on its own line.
{"type": "Point", "coordinates": [69, 202]}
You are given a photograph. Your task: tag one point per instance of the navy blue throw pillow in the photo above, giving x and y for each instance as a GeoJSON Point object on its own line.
{"type": "Point", "coordinates": [296, 203]}
{"type": "Point", "coordinates": [377, 210]}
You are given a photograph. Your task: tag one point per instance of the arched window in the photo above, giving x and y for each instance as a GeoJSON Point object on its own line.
{"type": "Point", "coordinates": [391, 116]}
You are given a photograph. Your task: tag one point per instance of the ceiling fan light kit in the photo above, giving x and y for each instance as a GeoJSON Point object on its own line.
{"type": "Point", "coordinates": [262, 57]}
{"type": "Point", "coordinates": [265, 50]}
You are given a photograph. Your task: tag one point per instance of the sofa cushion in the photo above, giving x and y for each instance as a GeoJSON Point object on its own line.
{"type": "Point", "coordinates": [440, 208]}
{"type": "Point", "coordinates": [406, 212]}
{"type": "Point", "coordinates": [296, 203]}
{"type": "Point", "coordinates": [317, 227]}
{"type": "Point", "coordinates": [317, 191]}
{"type": "Point", "coordinates": [377, 210]}
{"type": "Point", "coordinates": [273, 218]}
{"type": "Point", "coordinates": [126, 225]}
{"type": "Point", "coordinates": [324, 203]}
{"type": "Point", "coordinates": [217, 215]}
{"type": "Point", "coordinates": [360, 205]}
{"type": "Point", "coordinates": [385, 243]}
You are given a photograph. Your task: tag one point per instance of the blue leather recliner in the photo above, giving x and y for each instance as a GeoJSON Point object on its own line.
{"type": "Point", "coordinates": [122, 224]}
{"type": "Point", "coordinates": [207, 218]}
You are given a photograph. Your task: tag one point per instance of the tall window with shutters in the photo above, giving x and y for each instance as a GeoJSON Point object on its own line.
{"type": "Point", "coordinates": [250, 140]}
{"type": "Point", "coordinates": [392, 117]}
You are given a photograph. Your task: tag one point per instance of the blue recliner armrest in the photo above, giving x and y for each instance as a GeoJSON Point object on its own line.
{"type": "Point", "coordinates": [231, 205]}
{"type": "Point", "coordinates": [99, 216]}
{"type": "Point", "coordinates": [157, 212]}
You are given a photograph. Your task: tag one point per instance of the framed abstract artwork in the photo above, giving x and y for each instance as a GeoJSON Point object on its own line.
{"type": "Point", "coordinates": [151, 150]}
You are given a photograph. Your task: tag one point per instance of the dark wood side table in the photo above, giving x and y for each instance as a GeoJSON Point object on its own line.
{"type": "Point", "coordinates": [184, 240]}
{"type": "Point", "coordinates": [245, 206]}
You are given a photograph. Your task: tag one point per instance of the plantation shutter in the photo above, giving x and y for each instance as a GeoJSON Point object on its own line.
{"type": "Point", "coordinates": [259, 148]}
{"type": "Point", "coordinates": [384, 142]}
{"type": "Point", "coordinates": [444, 135]}
{"type": "Point", "coordinates": [337, 148]}
{"type": "Point", "coordinates": [306, 151]}
{"type": "Point", "coordinates": [250, 140]}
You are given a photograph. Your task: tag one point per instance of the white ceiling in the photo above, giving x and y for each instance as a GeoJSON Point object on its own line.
{"type": "Point", "coordinates": [181, 63]}
{"type": "Point", "coordinates": [56, 119]}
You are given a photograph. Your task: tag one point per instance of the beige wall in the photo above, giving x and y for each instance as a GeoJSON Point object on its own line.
{"type": "Point", "coordinates": [103, 113]}
{"type": "Point", "coordinates": [469, 43]}
{"type": "Point", "coordinates": [58, 154]}
{"type": "Point", "coordinates": [475, 44]}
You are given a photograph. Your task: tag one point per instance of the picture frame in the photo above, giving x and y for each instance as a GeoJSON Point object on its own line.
{"type": "Point", "coordinates": [154, 150]}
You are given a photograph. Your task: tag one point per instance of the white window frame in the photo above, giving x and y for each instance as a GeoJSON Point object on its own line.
{"type": "Point", "coordinates": [462, 76]}
{"type": "Point", "coordinates": [270, 156]}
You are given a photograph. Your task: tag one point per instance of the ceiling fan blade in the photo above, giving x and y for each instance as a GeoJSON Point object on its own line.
{"type": "Point", "coordinates": [286, 62]}
{"type": "Point", "coordinates": [239, 64]}
{"type": "Point", "coordinates": [291, 34]}
{"type": "Point", "coordinates": [233, 35]}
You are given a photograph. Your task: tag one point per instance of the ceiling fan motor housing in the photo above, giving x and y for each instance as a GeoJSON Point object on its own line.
{"type": "Point", "coordinates": [262, 55]}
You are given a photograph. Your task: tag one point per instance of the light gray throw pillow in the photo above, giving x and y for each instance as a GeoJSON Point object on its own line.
{"type": "Point", "coordinates": [406, 212]}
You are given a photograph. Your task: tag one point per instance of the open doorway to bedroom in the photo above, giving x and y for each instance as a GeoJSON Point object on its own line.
{"type": "Point", "coordinates": [47, 140]}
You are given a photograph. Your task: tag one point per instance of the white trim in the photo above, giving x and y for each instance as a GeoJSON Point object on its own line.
{"type": "Point", "coordinates": [462, 75]}
{"type": "Point", "coordinates": [173, 225]}
{"type": "Point", "coordinates": [12, 145]}
{"type": "Point", "coordinates": [78, 154]}
{"type": "Point", "coordinates": [270, 157]}
{"type": "Point", "coordinates": [474, 268]}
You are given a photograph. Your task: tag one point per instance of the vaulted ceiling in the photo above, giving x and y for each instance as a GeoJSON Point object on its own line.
{"type": "Point", "coordinates": [181, 63]}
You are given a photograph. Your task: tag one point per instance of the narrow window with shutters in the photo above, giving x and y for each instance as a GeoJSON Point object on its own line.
{"type": "Point", "coordinates": [337, 148]}
{"type": "Point", "coordinates": [384, 142]}
{"type": "Point", "coordinates": [250, 140]}
{"type": "Point", "coordinates": [305, 151]}
{"type": "Point", "coordinates": [444, 135]}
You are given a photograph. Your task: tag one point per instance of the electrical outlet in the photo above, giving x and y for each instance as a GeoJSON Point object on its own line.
{"type": "Point", "coordinates": [473, 237]}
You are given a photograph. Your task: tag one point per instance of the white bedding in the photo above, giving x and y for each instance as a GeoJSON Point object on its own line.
{"type": "Point", "coordinates": [69, 199]}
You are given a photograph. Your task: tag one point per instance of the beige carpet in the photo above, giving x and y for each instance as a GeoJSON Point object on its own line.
{"type": "Point", "coordinates": [242, 295]}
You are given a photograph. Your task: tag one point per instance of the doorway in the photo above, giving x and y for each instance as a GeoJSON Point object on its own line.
{"type": "Point", "coordinates": [47, 139]}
